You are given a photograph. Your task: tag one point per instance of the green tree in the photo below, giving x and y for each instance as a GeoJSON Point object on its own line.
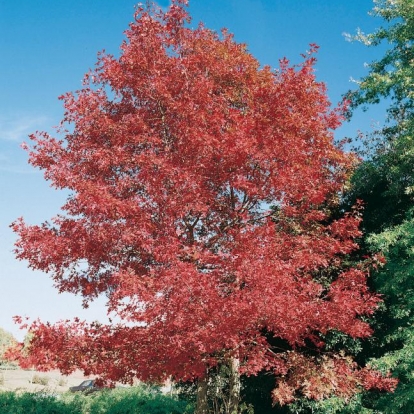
{"type": "Point", "coordinates": [385, 181]}
{"type": "Point", "coordinates": [396, 282]}
{"type": "Point", "coordinates": [6, 340]}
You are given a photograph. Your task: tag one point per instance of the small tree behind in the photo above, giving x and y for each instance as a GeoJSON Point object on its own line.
{"type": "Point", "coordinates": [201, 190]}
{"type": "Point", "coordinates": [6, 341]}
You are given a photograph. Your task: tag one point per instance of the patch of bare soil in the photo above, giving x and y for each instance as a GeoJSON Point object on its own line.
{"type": "Point", "coordinates": [34, 381]}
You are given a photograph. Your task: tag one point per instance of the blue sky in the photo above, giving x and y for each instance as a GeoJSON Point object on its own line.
{"type": "Point", "coordinates": [46, 46]}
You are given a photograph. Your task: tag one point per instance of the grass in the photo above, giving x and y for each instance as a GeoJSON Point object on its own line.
{"type": "Point", "coordinates": [134, 400]}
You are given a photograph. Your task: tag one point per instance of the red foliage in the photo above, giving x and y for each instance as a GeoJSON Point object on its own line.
{"type": "Point", "coordinates": [201, 189]}
{"type": "Point", "coordinates": [322, 377]}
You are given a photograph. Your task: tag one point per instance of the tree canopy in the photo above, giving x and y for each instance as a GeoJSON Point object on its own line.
{"type": "Point", "coordinates": [201, 186]}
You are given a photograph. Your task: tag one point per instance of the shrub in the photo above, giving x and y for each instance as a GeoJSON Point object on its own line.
{"type": "Point", "coordinates": [62, 382]}
{"type": "Point", "coordinates": [13, 403]}
{"type": "Point", "coordinates": [134, 400]}
{"type": "Point", "coordinates": [37, 379]}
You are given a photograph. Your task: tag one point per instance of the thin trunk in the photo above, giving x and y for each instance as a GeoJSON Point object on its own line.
{"type": "Point", "coordinates": [202, 403]}
{"type": "Point", "coordinates": [234, 386]}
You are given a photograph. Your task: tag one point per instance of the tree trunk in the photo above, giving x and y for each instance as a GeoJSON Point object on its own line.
{"type": "Point", "coordinates": [202, 403]}
{"type": "Point", "coordinates": [234, 386]}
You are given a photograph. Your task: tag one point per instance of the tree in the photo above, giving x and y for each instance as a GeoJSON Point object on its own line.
{"type": "Point", "coordinates": [395, 281]}
{"type": "Point", "coordinates": [6, 340]}
{"type": "Point", "coordinates": [201, 189]}
{"type": "Point", "coordinates": [385, 181]}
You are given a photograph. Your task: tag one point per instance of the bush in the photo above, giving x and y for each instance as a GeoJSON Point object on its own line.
{"type": "Point", "coordinates": [62, 382]}
{"type": "Point", "coordinates": [27, 403]}
{"type": "Point", "coordinates": [37, 379]}
{"type": "Point", "coordinates": [134, 400]}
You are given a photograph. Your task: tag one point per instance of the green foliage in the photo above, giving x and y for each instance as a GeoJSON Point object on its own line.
{"type": "Point", "coordinates": [27, 403]}
{"type": "Point", "coordinates": [139, 400]}
{"type": "Point", "coordinates": [395, 339]}
{"type": "Point", "coordinates": [136, 400]}
{"type": "Point", "coordinates": [396, 282]}
{"type": "Point", "coordinates": [390, 76]}
{"type": "Point", "coordinates": [6, 340]}
{"type": "Point", "coordinates": [385, 182]}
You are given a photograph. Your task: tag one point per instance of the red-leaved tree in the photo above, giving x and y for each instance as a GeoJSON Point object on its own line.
{"type": "Point", "coordinates": [201, 190]}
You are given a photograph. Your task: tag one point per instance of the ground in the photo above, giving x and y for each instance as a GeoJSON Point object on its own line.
{"type": "Point", "coordinates": [30, 380]}
{"type": "Point", "coordinates": [51, 381]}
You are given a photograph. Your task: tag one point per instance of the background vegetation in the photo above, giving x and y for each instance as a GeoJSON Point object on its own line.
{"type": "Point", "coordinates": [384, 181]}
{"type": "Point", "coordinates": [6, 340]}
{"type": "Point", "coordinates": [136, 400]}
